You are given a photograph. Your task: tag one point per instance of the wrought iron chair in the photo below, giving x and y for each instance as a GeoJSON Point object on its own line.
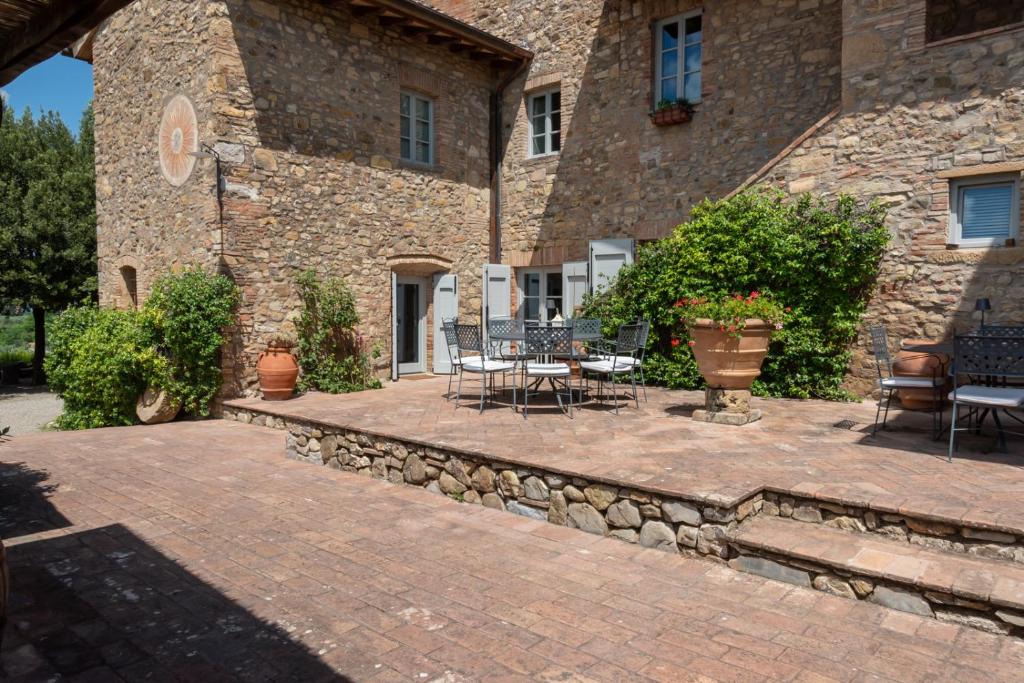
{"type": "Point", "coordinates": [544, 345]}
{"type": "Point", "coordinates": [452, 343]}
{"type": "Point", "coordinates": [889, 383]}
{"type": "Point", "coordinates": [470, 340]}
{"type": "Point", "coordinates": [638, 359]}
{"type": "Point", "coordinates": [614, 359]}
{"type": "Point", "coordinates": [992, 360]}
{"type": "Point", "coordinates": [501, 347]}
{"type": "Point", "coordinates": [585, 327]}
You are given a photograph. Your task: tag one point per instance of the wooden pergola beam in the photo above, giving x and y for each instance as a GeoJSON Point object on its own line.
{"type": "Point", "coordinates": [34, 31]}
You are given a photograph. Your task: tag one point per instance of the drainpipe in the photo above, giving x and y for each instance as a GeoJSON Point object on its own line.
{"type": "Point", "coordinates": [495, 153]}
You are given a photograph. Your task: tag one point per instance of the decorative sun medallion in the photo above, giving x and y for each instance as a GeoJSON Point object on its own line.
{"type": "Point", "coordinates": [178, 138]}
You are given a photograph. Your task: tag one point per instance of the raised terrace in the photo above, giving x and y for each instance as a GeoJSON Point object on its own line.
{"type": "Point", "coordinates": [806, 495]}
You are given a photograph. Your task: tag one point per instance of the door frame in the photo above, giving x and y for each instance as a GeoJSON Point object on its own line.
{"type": "Point", "coordinates": [421, 325]}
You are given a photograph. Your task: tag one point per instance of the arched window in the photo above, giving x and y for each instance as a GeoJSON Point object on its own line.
{"type": "Point", "coordinates": [129, 287]}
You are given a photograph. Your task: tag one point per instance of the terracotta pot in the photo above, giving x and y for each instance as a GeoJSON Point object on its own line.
{"type": "Point", "coordinates": [727, 362]}
{"type": "Point", "coordinates": [278, 373]}
{"type": "Point", "coordinates": [918, 364]}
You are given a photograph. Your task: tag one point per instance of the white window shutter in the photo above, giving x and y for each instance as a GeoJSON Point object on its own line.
{"type": "Point", "coordinates": [497, 294]}
{"type": "Point", "coordinates": [394, 326]}
{"type": "Point", "coordinates": [574, 286]}
{"type": "Point", "coordinates": [446, 306]}
{"type": "Point", "coordinates": [606, 258]}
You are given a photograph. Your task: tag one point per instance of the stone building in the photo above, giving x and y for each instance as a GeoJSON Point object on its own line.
{"type": "Point", "coordinates": [412, 149]}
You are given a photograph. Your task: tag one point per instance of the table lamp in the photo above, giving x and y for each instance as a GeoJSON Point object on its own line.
{"type": "Point", "coordinates": [982, 305]}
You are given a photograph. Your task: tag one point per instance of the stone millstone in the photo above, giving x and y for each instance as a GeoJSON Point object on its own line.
{"type": "Point", "coordinates": [722, 418]}
{"type": "Point", "coordinates": [155, 407]}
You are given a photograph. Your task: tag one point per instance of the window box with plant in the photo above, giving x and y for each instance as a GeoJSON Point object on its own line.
{"type": "Point", "coordinates": [668, 113]}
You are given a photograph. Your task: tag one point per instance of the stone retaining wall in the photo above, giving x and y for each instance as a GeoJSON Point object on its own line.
{"type": "Point", "coordinates": [666, 523]}
{"type": "Point", "coordinates": [653, 521]}
{"type": "Point", "coordinates": [946, 607]}
{"type": "Point", "coordinates": [987, 543]}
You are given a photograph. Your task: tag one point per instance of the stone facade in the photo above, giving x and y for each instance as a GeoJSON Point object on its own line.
{"type": "Point", "coordinates": [300, 100]}
{"type": "Point", "coordinates": [915, 116]}
{"type": "Point", "coordinates": [770, 70]}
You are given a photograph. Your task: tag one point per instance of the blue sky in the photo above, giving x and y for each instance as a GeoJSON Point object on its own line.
{"type": "Point", "coordinates": [61, 84]}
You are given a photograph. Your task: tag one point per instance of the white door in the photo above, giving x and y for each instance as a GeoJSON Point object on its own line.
{"type": "Point", "coordinates": [606, 258]}
{"type": "Point", "coordinates": [574, 286]}
{"type": "Point", "coordinates": [411, 324]}
{"type": "Point", "coordinates": [446, 306]}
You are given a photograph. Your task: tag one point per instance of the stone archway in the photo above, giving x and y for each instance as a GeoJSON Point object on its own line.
{"type": "Point", "coordinates": [127, 290]}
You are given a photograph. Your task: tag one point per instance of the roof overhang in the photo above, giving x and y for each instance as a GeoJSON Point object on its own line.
{"type": "Point", "coordinates": [34, 30]}
{"type": "Point", "coordinates": [415, 19]}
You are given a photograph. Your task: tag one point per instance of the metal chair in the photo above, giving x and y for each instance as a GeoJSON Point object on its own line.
{"type": "Point", "coordinates": [501, 347]}
{"type": "Point", "coordinates": [614, 359]}
{"type": "Point", "coordinates": [585, 327]}
{"type": "Point", "coordinates": [470, 340]}
{"type": "Point", "coordinates": [452, 343]}
{"type": "Point", "coordinates": [544, 344]}
{"type": "Point", "coordinates": [992, 360]}
{"type": "Point", "coordinates": [888, 383]}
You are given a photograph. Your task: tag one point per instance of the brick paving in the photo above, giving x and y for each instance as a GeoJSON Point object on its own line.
{"type": "Point", "coordinates": [195, 551]}
{"type": "Point", "coordinates": [796, 448]}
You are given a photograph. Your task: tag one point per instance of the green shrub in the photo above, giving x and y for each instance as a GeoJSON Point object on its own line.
{"type": "Point", "coordinates": [12, 356]}
{"type": "Point", "coordinates": [188, 312]}
{"type": "Point", "coordinates": [331, 353]}
{"type": "Point", "coordinates": [100, 360]}
{"type": "Point", "coordinates": [818, 257]}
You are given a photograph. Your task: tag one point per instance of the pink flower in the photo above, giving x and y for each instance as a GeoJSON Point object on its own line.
{"type": "Point", "coordinates": [675, 342]}
{"type": "Point", "coordinates": [691, 343]}
{"type": "Point", "coordinates": [755, 294]}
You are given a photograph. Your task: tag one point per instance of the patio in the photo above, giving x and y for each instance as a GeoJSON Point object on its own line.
{"type": "Point", "coordinates": [805, 496]}
{"type": "Point", "coordinates": [193, 551]}
{"type": "Point", "coordinates": [797, 447]}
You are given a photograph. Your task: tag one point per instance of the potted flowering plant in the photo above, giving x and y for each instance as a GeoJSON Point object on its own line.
{"type": "Point", "coordinates": [670, 112]}
{"type": "Point", "coordinates": [729, 336]}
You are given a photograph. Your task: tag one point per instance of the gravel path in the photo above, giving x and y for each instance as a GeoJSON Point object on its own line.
{"type": "Point", "coordinates": [27, 409]}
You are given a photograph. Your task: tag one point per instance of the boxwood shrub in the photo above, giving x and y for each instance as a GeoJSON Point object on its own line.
{"type": "Point", "coordinates": [819, 257]}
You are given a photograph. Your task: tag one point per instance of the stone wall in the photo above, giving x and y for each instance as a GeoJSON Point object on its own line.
{"type": "Point", "coordinates": [770, 71]}
{"type": "Point", "coordinates": [914, 114]}
{"type": "Point", "coordinates": [149, 52]}
{"type": "Point", "coordinates": [301, 101]}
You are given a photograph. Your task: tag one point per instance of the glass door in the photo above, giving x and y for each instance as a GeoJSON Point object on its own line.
{"type": "Point", "coordinates": [410, 312]}
{"type": "Point", "coordinates": [541, 294]}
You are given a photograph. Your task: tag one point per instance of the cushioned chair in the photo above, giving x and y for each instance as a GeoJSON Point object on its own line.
{"type": "Point", "coordinates": [474, 360]}
{"type": "Point", "coordinates": [888, 383]}
{"type": "Point", "coordinates": [988, 362]}
{"type": "Point", "coordinates": [544, 345]}
{"type": "Point", "coordinates": [612, 359]}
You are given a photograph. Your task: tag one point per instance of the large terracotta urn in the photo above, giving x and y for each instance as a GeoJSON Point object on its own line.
{"type": "Point", "coordinates": [278, 371]}
{"type": "Point", "coordinates": [729, 362]}
{"type": "Point", "coordinates": [919, 364]}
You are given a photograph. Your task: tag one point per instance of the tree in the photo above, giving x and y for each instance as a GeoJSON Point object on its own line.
{"type": "Point", "coordinates": [47, 217]}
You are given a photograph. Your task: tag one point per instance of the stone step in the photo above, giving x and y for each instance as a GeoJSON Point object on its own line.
{"type": "Point", "coordinates": [980, 592]}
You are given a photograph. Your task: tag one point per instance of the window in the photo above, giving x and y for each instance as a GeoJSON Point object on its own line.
{"type": "Point", "coordinates": [677, 58]}
{"type": "Point", "coordinates": [952, 18]}
{"type": "Point", "coordinates": [129, 288]}
{"type": "Point", "coordinates": [541, 294]}
{"type": "Point", "coordinates": [545, 123]}
{"type": "Point", "coordinates": [417, 129]}
{"type": "Point", "coordinates": [984, 210]}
